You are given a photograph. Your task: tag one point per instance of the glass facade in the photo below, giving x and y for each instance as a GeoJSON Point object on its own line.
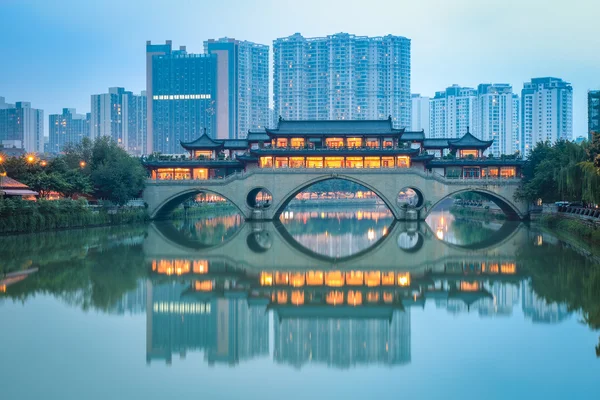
{"type": "Point", "coordinates": [187, 116]}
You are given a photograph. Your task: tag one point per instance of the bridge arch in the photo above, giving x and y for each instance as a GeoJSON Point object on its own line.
{"type": "Point", "coordinates": [170, 203]}
{"type": "Point", "coordinates": [288, 197]}
{"type": "Point", "coordinates": [508, 207]}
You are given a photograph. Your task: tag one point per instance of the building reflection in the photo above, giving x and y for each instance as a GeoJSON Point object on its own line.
{"type": "Point", "coordinates": [337, 318]}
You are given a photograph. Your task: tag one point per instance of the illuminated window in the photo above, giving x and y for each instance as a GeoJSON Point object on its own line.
{"type": "Point", "coordinates": [164, 174]}
{"type": "Point", "coordinates": [181, 174]}
{"type": "Point", "coordinates": [387, 278]}
{"type": "Point", "coordinates": [266, 279]}
{"type": "Point", "coordinates": [508, 172]}
{"type": "Point", "coordinates": [508, 268]}
{"type": "Point", "coordinates": [354, 162]}
{"type": "Point", "coordinates": [403, 162]}
{"type": "Point", "coordinates": [204, 286]}
{"type": "Point", "coordinates": [266, 162]}
{"type": "Point", "coordinates": [334, 142]}
{"type": "Point", "coordinates": [335, 298]}
{"type": "Point", "coordinates": [354, 142]}
{"type": "Point", "coordinates": [466, 153]}
{"type": "Point", "coordinates": [200, 173]}
{"type": "Point", "coordinates": [334, 279]}
{"type": "Point", "coordinates": [282, 278]}
{"type": "Point", "coordinates": [372, 143]}
{"type": "Point", "coordinates": [372, 297]}
{"type": "Point", "coordinates": [314, 162]}
{"type": "Point", "coordinates": [388, 143]}
{"type": "Point", "coordinates": [297, 162]}
{"type": "Point", "coordinates": [387, 162]}
{"type": "Point", "coordinates": [297, 143]}
{"type": "Point", "coordinates": [334, 162]}
{"type": "Point", "coordinates": [354, 298]}
{"type": "Point", "coordinates": [297, 297]}
{"type": "Point", "coordinates": [491, 172]}
{"type": "Point", "coordinates": [282, 297]}
{"type": "Point", "coordinates": [404, 279]}
{"type": "Point", "coordinates": [388, 297]}
{"type": "Point", "coordinates": [354, 278]}
{"type": "Point", "coordinates": [200, 267]}
{"type": "Point", "coordinates": [281, 162]}
{"type": "Point", "coordinates": [373, 278]}
{"type": "Point", "coordinates": [469, 286]}
{"type": "Point", "coordinates": [297, 279]}
{"type": "Point", "coordinates": [314, 278]}
{"type": "Point", "coordinates": [372, 162]}
{"type": "Point", "coordinates": [282, 142]}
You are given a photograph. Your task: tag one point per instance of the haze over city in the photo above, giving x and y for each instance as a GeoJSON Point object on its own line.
{"type": "Point", "coordinates": [55, 54]}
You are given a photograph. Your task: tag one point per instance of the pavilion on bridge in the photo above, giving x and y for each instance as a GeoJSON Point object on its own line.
{"type": "Point", "coordinates": [335, 144]}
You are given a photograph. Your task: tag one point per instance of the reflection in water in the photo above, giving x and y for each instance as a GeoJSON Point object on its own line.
{"type": "Point", "coordinates": [256, 296]}
{"type": "Point", "coordinates": [338, 233]}
{"type": "Point", "coordinates": [203, 230]}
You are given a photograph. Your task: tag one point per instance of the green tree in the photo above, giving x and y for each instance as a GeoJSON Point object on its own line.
{"type": "Point", "coordinates": [115, 175]}
{"type": "Point", "coordinates": [44, 183]}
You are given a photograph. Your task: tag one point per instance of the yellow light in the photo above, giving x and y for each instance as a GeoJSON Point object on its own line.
{"type": "Point", "coordinates": [1, 159]}
{"type": "Point", "coordinates": [43, 163]}
{"type": "Point", "coordinates": [82, 164]}
{"type": "Point", "coordinates": [30, 159]}
{"type": "Point", "coordinates": [440, 234]}
{"type": "Point", "coordinates": [371, 234]}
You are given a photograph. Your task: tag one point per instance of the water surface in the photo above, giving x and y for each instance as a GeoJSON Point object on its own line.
{"type": "Point", "coordinates": [323, 304]}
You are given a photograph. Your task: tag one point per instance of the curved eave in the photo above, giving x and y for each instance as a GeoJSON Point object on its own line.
{"type": "Point", "coordinates": [476, 162]}
{"type": "Point", "coordinates": [471, 146]}
{"type": "Point", "coordinates": [423, 158]}
{"type": "Point", "coordinates": [193, 164]}
{"type": "Point", "coordinates": [192, 146]}
{"type": "Point", "coordinates": [334, 153]}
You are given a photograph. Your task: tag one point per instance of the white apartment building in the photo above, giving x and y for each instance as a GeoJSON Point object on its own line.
{"type": "Point", "coordinates": [452, 112]}
{"type": "Point", "coordinates": [496, 117]}
{"type": "Point", "coordinates": [342, 76]}
{"type": "Point", "coordinates": [546, 112]}
{"type": "Point", "coordinates": [420, 117]}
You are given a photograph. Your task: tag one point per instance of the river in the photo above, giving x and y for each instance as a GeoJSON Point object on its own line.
{"type": "Point", "coordinates": [336, 303]}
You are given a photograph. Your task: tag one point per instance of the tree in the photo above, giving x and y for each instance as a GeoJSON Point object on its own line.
{"type": "Point", "coordinates": [115, 175]}
{"type": "Point", "coordinates": [44, 183]}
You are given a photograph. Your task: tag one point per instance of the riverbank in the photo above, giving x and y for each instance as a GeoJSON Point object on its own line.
{"type": "Point", "coordinates": [478, 213]}
{"type": "Point", "coordinates": [579, 229]}
{"type": "Point", "coordinates": [18, 216]}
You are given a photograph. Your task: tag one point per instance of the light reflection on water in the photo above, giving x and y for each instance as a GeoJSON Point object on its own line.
{"type": "Point", "coordinates": [313, 299]}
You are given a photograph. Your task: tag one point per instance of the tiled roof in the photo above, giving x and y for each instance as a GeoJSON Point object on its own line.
{"type": "Point", "coordinates": [413, 136]}
{"type": "Point", "coordinates": [435, 143]}
{"type": "Point", "coordinates": [258, 136]}
{"type": "Point", "coordinates": [335, 127]}
{"type": "Point", "coordinates": [469, 141]}
{"type": "Point", "coordinates": [10, 183]}
{"type": "Point", "coordinates": [204, 142]}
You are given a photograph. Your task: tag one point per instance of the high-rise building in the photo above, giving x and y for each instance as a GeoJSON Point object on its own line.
{"type": "Point", "coordinates": [420, 117]}
{"type": "Point", "coordinates": [242, 86]}
{"type": "Point", "coordinates": [68, 127]}
{"type": "Point", "coordinates": [342, 76]}
{"type": "Point", "coordinates": [121, 115]}
{"type": "Point", "coordinates": [593, 113]}
{"type": "Point", "coordinates": [21, 126]}
{"type": "Point", "coordinates": [452, 112]}
{"type": "Point", "coordinates": [496, 117]}
{"type": "Point", "coordinates": [546, 112]}
{"type": "Point", "coordinates": [181, 89]}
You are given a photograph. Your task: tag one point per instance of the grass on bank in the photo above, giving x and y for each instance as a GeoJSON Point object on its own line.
{"type": "Point", "coordinates": [20, 216]}
{"type": "Point", "coordinates": [574, 227]}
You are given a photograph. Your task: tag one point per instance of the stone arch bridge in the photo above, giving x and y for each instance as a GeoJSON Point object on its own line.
{"type": "Point", "coordinates": [284, 184]}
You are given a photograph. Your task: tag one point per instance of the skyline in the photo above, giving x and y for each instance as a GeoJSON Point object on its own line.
{"type": "Point", "coordinates": [97, 57]}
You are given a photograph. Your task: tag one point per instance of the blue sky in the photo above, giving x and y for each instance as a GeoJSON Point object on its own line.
{"type": "Point", "coordinates": [55, 53]}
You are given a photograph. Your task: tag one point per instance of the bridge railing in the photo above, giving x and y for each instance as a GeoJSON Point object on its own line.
{"type": "Point", "coordinates": [340, 172]}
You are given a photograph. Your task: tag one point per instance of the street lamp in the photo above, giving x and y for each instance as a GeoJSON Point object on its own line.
{"type": "Point", "coordinates": [82, 164]}
{"type": "Point", "coordinates": [43, 163]}
{"type": "Point", "coordinates": [30, 159]}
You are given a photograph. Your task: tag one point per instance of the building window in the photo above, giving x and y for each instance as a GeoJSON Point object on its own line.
{"type": "Point", "coordinates": [508, 172]}
{"type": "Point", "coordinates": [334, 162]}
{"type": "Point", "coordinates": [334, 142]}
{"type": "Point", "coordinates": [266, 162]}
{"type": "Point", "coordinates": [200, 173]}
{"type": "Point", "coordinates": [281, 162]}
{"type": "Point", "coordinates": [297, 162]}
{"type": "Point", "coordinates": [354, 142]}
{"type": "Point", "coordinates": [297, 143]}
{"type": "Point", "coordinates": [403, 162]}
{"type": "Point", "coordinates": [314, 162]}
{"type": "Point", "coordinates": [372, 162]}
{"type": "Point", "coordinates": [354, 162]}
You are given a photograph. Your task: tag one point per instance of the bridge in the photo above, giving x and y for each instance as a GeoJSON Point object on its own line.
{"type": "Point", "coordinates": [278, 163]}
{"type": "Point", "coordinates": [407, 246]}
{"type": "Point", "coordinates": [162, 196]}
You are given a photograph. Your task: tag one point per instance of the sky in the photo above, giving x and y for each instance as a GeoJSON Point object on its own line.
{"type": "Point", "coordinates": [57, 53]}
